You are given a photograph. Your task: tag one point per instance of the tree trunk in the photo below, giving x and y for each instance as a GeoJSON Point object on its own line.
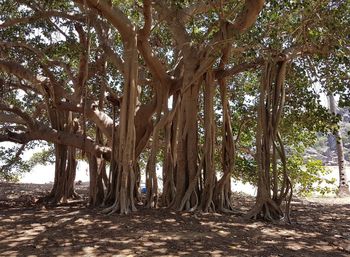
{"type": "Point", "coordinates": [186, 197]}
{"type": "Point", "coordinates": [343, 182]}
{"type": "Point", "coordinates": [209, 144]}
{"type": "Point", "coordinates": [96, 191]}
{"type": "Point", "coordinates": [97, 165]}
{"type": "Point", "coordinates": [160, 123]}
{"type": "Point", "coordinates": [123, 176]}
{"type": "Point", "coordinates": [65, 163]}
{"type": "Point", "coordinates": [151, 174]}
{"type": "Point", "coordinates": [169, 189]}
{"type": "Point", "coordinates": [223, 188]}
{"type": "Point", "coordinates": [268, 144]}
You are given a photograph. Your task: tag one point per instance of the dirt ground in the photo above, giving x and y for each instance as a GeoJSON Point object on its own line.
{"type": "Point", "coordinates": [319, 228]}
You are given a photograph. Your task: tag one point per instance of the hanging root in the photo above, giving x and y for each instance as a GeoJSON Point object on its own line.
{"type": "Point", "coordinates": [288, 201]}
{"type": "Point", "coordinates": [269, 143]}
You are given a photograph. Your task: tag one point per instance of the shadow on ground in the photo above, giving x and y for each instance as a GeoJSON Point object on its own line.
{"type": "Point", "coordinates": [74, 230]}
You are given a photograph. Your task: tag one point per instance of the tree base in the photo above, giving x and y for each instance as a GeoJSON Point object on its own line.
{"type": "Point", "coordinates": [343, 191]}
{"type": "Point", "coordinates": [265, 209]}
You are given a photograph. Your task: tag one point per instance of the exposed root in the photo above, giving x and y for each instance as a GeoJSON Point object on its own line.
{"type": "Point", "coordinates": [191, 190]}
{"type": "Point", "coordinates": [111, 209]}
{"type": "Point", "coordinates": [267, 210]}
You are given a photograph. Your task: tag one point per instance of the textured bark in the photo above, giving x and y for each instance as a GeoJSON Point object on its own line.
{"type": "Point", "coordinates": [65, 163]}
{"type": "Point", "coordinates": [169, 167]}
{"type": "Point", "coordinates": [123, 176]}
{"type": "Point", "coordinates": [151, 175]}
{"type": "Point", "coordinates": [96, 192]}
{"type": "Point", "coordinates": [209, 146]}
{"type": "Point", "coordinates": [222, 196]}
{"type": "Point", "coordinates": [343, 182]}
{"type": "Point", "coordinates": [97, 165]}
{"type": "Point", "coordinates": [268, 144]}
{"type": "Point", "coordinates": [222, 193]}
{"type": "Point", "coordinates": [187, 152]}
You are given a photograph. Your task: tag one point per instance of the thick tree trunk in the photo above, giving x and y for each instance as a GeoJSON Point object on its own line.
{"type": "Point", "coordinates": [68, 191]}
{"type": "Point", "coordinates": [96, 191]}
{"type": "Point", "coordinates": [97, 165]}
{"type": "Point", "coordinates": [65, 168]}
{"type": "Point", "coordinates": [123, 176]}
{"type": "Point", "coordinates": [65, 163]}
{"type": "Point", "coordinates": [222, 192]}
{"type": "Point", "coordinates": [187, 197]}
{"type": "Point", "coordinates": [343, 182]}
{"type": "Point", "coordinates": [268, 144]}
{"type": "Point", "coordinates": [162, 118]}
{"type": "Point", "coordinates": [209, 146]}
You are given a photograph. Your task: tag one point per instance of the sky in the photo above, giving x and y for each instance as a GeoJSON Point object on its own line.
{"type": "Point", "coordinates": [45, 174]}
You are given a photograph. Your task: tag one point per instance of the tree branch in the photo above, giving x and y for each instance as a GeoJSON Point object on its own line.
{"type": "Point", "coordinates": [11, 118]}
{"type": "Point", "coordinates": [247, 17]}
{"type": "Point", "coordinates": [113, 14]}
{"type": "Point", "coordinates": [220, 74]}
{"type": "Point", "coordinates": [147, 14]}
{"type": "Point", "coordinates": [41, 82]}
{"type": "Point", "coordinates": [40, 15]}
{"type": "Point", "coordinates": [172, 18]}
{"type": "Point", "coordinates": [17, 111]}
{"type": "Point", "coordinates": [102, 120]}
{"type": "Point", "coordinates": [58, 137]}
{"type": "Point", "coordinates": [15, 159]}
{"type": "Point", "coordinates": [21, 72]}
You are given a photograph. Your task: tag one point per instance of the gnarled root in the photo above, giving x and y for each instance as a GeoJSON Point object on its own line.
{"type": "Point", "coordinates": [266, 209]}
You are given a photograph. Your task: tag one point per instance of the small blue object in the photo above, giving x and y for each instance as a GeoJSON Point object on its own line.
{"type": "Point", "coordinates": [143, 190]}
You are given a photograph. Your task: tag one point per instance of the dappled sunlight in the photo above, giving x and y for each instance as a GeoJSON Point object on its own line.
{"type": "Point", "coordinates": [174, 128]}
{"type": "Point", "coordinates": [74, 230]}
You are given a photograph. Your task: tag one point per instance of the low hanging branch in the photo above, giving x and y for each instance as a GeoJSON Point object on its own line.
{"type": "Point", "coordinates": [271, 157]}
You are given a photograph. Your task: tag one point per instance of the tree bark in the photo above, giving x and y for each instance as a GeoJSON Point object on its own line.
{"type": "Point", "coordinates": [268, 144]}
{"type": "Point", "coordinates": [343, 182]}
{"type": "Point", "coordinates": [65, 163]}
{"type": "Point", "coordinates": [96, 190]}
{"type": "Point", "coordinates": [223, 187]}
{"type": "Point", "coordinates": [170, 156]}
{"type": "Point", "coordinates": [123, 176]}
{"type": "Point", "coordinates": [209, 176]}
{"type": "Point", "coordinates": [187, 151]}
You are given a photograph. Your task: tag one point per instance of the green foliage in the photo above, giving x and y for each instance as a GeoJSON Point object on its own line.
{"type": "Point", "coordinates": [245, 170]}
{"type": "Point", "coordinates": [307, 175]}
{"type": "Point", "coordinates": [44, 157]}
{"type": "Point", "coordinates": [13, 166]}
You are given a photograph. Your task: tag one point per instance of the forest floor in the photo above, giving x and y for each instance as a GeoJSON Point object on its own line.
{"type": "Point", "coordinates": [320, 227]}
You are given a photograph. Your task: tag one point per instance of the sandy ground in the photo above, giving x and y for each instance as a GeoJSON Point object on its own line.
{"type": "Point", "coordinates": [320, 227]}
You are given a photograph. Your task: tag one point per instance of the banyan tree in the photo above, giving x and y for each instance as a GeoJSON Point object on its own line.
{"type": "Point", "coordinates": [123, 82]}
